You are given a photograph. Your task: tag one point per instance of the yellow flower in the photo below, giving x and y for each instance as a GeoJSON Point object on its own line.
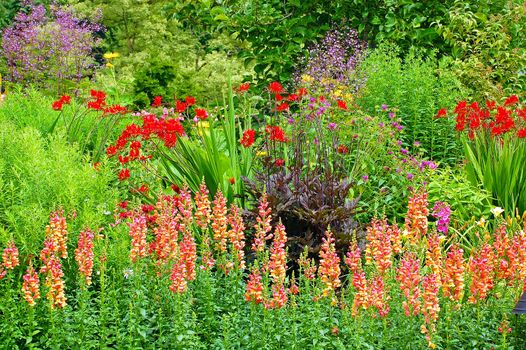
{"type": "Point", "coordinates": [481, 222]}
{"type": "Point", "coordinates": [261, 153]}
{"type": "Point", "coordinates": [111, 55]}
{"type": "Point", "coordinates": [306, 78]}
{"type": "Point", "coordinates": [109, 65]}
{"type": "Point", "coordinates": [338, 93]}
{"type": "Point", "coordinates": [203, 124]}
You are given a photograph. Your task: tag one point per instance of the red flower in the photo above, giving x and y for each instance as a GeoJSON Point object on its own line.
{"type": "Point", "coordinates": [279, 162]}
{"type": "Point", "coordinates": [98, 95]}
{"type": "Point", "coordinates": [282, 107]}
{"type": "Point", "coordinates": [111, 150]}
{"type": "Point", "coordinates": [57, 105]}
{"type": "Point", "coordinates": [342, 149]}
{"type": "Point", "coordinates": [116, 109]}
{"type": "Point", "coordinates": [491, 105]}
{"type": "Point", "coordinates": [201, 113]}
{"type": "Point", "coordinates": [176, 188]}
{"type": "Point", "coordinates": [342, 104]}
{"type": "Point", "coordinates": [146, 208]}
{"type": "Point", "coordinates": [521, 133]}
{"type": "Point", "coordinates": [278, 97]}
{"type": "Point", "coordinates": [232, 180]}
{"type": "Point", "coordinates": [442, 113]}
{"type": "Point", "coordinates": [513, 99]}
{"type": "Point", "coordinates": [180, 106]}
{"type": "Point", "coordinates": [96, 165]}
{"type": "Point", "coordinates": [293, 97]}
{"type": "Point", "coordinates": [521, 113]}
{"type": "Point", "coordinates": [302, 92]}
{"type": "Point", "coordinates": [190, 100]}
{"type": "Point", "coordinates": [248, 139]}
{"type": "Point", "coordinates": [65, 99]}
{"type": "Point", "coordinates": [123, 204]}
{"type": "Point", "coordinates": [243, 87]}
{"type": "Point", "coordinates": [124, 174]}
{"type": "Point", "coordinates": [276, 133]}
{"type": "Point", "coordinates": [157, 101]}
{"type": "Point", "coordinates": [143, 189]}
{"type": "Point", "coordinates": [275, 87]}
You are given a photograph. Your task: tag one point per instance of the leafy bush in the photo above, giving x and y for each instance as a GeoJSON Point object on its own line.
{"type": "Point", "coordinates": [416, 87]}
{"type": "Point", "coordinates": [41, 175]}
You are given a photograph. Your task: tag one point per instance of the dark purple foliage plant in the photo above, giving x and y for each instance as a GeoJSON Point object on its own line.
{"type": "Point", "coordinates": [50, 48]}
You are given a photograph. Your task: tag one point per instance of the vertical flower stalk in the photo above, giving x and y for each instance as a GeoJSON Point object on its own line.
{"type": "Point", "coordinates": [54, 282]}
{"type": "Point", "coordinates": [31, 286]}
{"type": "Point", "coordinates": [441, 212]}
{"type": "Point", "coordinates": [453, 274]}
{"type": "Point", "coordinates": [308, 266]}
{"type": "Point", "coordinates": [262, 226]}
{"type": "Point", "coordinates": [481, 268]}
{"type": "Point", "coordinates": [430, 307]}
{"type": "Point", "coordinates": [434, 255]}
{"type": "Point", "coordinates": [57, 231]}
{"type": "Point", "coordinates": [188, 255]}
{"type": "Point", "coordinates": [379, 297]}
{"type": "Point", "coordinates": [361, 298]}
{"type": "Point", "coordinates": [379, 248]}
{"type": "Point", "coordinates": [353, 258]}
{"type": "Point", "coordinates": [84, 255]}
{"type": "Point", "coordinates": [278, 266]}
{"type": "Point", "coordinates": [329, 269]}
{"type": "Point", "coordinates": [408, 275]}
{"type": "Point", "coordinates": [237, 236]}
{"type": "Point", "coordinates": [178, 276]}
{"type": "Point", "coordinates": [254, 292]}
{"type": "Point", "coordinates": [207, 258]}
{"type": "Point", "coordinates": [10, 256]}
{"type": "Point", "coordinates": [416, 218]}
{"type": "Point", "coordinates": [220, 223]}
{"type": "Point", "coordinates": [138, 230]}
{"type": "Point", "coordinates": [501, 245]}
{"type": "Point", "coordinates": [202, 204]}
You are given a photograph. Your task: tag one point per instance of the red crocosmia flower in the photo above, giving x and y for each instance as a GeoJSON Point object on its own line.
{"type": "Point", "coordinates": [124, 174]}
{"type": "Point", "coordinates": [342, 104]}
{"type": "Point", "coordinates": [181, 106]}
{"type": "Point", "coordinates": [461, 106]}
{"type": "Point", "coordinates": [471, 135]}
{"type": "Point", "coordinates": [57, 105]}
{"type": "Point", "coordinates": [143, 189]}
{"type": "Point", "coordinates": [278, 97]}
{"type": "Point", "coordinates": [513, 99]}
{"type": "Point", "coordinates": [96, 165]}
{"type": "Point", "coordinates": [146, 208]}
{"type": "Point", "coordinates": [123, 160]}
{"type": "Point", "coordinates": [248, 139]}
{"type": "Point", "coordinates": [279, 162]}
{"type": "Point", "coordinates": [302, 92]}
{"type": "Point", "coordinates": [201, 113]}
{"type": "Point", "coordinates": [491, 104]}
{"type": "Point", "coordinates": [157, 101]}
{"type": "Point", "coordinates": [276, 133]}
{"type": "Point", "coordinates": [243, 87]}
{"type": "Point", "coordinates": [190, 100]}
{"type": "Point", "coordinates": [521, 133]}
{"type": "Point", "coordinates": [116, 109]}
{"type": "Point", "coordinates": [293, 97]}
{"type": "Point", "coordinates": [442, 113]}
{"type": "Point", "coordinates": [232, 180]}
{"type": "Point", "coordinates": [111, 150]}
{"type": "Point", "coordinates": [123, 204]}
{"type": "Point", "coordinates": [282, 107]}
{"type": "Point", "coordinates": [98, 95]}
{"type": "Point", "coordinates": [96, 105]}
{"type": "Point", "coordinates": [342, 149]}
{"type": "Point", "coordinates": [65, 99]}
{"type": "Point", "coordinates": [275, 87]}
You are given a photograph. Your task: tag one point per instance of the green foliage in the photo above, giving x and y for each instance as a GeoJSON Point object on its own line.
{"type": "Point", "coordinates": [416, 87]}
{"type": "Point", "coordinates": [39, 175]}
{"type": "Point", "coordinates": [488, 45]}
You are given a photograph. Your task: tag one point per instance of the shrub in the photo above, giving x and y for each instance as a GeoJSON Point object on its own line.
{"type": "Point", "coordinates": [417, 87]}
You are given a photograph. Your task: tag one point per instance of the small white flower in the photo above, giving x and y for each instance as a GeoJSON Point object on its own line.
{"type": "Point", "coordinates": [128, 273]}
{"type": "Point", "coordinates": [497, 211]}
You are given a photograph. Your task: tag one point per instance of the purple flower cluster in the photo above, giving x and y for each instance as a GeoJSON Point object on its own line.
{"type": "Point", "coordinates": [441, 212]}
{"type": "Point", "coordinates": [41, 47]}
{"type": "Point", "coordinates": [333, 60]}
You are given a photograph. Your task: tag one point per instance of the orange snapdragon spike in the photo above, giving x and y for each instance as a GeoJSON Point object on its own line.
{"type": "Point", "coordinates": [453, 274]}
{"type": "Point", "coordinates": [481, 268]}
{"type": "Point", "coordinates": [361, 298]}
{"type": "Point", "coordinates": [378, 296]}
{"type": "Point", "coordinates": [416, 218]}
{"type": "Point", "coordinates": [254, 292]}
{"type": "Point", "coordinates": [308, 266]}
{"type": "Point", "coordinates": [185, 208]}
{"type": "Point", "coordinates": [57, 231]}
{"type": "Point", "coordinates": [188, 249]}
{"type": "Point", "coordinates": [329, 269]}
{"type": "Point", "coordinates": [84, 255]}
{"type": "Point", "coordinates": [262, 226]}
{"type": "Point", "coordinates": [408, 274]}
{"type": "Point", "coordinates": [353, 258]}
{"type": "Point", "coordinates": [278, 267]}
{"type": "Point", "coordinates": [379, 248]}
{"type": "Point", "coordinates": [178, 276]}
{"type": "Point", "coordinates": [502, 245]}
{"type": "Point", "coordinates": [237, 236]}
{"type": "Point", "coordinates": [55, 283]}
{"type": "Point", "coordinates": [31, 286]}
{"type": "Point", "coordinates": [396, 238]}
{"type": "Point", "coordinates": [434, 255]}
{"type": "Point", "coordinates": [207, 257]}
{"type": "Point", "coordinates": [220, 222]}
{"type": "Point", "coordinates": [10, 256]}
{"type": "Point", "coordinates": [138, 230]}
{"type": "Point", "coordinates": [202, 204]}
{"type": "Point", "coordinates": [430, 307]}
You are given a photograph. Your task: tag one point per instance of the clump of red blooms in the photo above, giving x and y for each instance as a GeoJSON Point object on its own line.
{"type": "Point", "coordinates": [497, 120]}
{"type": "Point", "coordinates": [63, 100]}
